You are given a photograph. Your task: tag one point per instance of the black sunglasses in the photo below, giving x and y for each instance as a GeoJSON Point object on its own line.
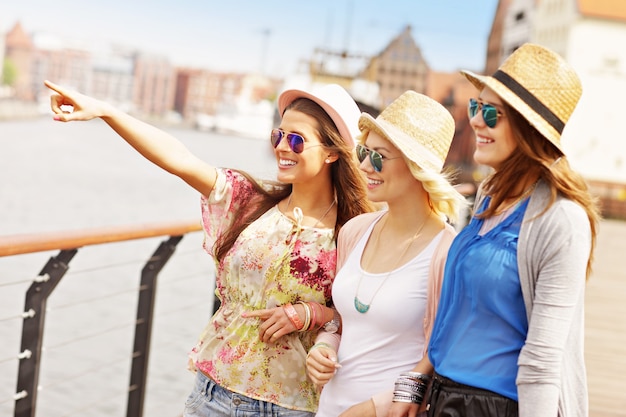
{"type": "Point", "coordinates": [376, 159]}
{"type": "Point", "coordinates": [490, 113]}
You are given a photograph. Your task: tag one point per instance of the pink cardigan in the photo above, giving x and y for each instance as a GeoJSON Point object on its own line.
{"type": "Point", "coordinates": [349, 235]}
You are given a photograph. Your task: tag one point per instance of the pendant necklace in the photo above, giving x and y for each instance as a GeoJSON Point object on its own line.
{"type": "Point", "coordinates": [358, 304]}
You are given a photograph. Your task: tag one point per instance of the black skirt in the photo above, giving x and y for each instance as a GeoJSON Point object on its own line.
{"type": "Point", "coordinates": [451, 399]}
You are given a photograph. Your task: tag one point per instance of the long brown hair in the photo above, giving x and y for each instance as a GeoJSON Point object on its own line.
{"type": "Point", "coordinates": [536, 157]}
{"type": "Point", "coordinates": [348, 181]}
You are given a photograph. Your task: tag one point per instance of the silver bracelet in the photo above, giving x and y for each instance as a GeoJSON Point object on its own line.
{"type": "Point", "coordinates": [410, 387]}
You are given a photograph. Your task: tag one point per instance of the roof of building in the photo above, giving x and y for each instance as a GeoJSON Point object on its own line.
{"type": "Point", "coordinates": [606, 9]}
{"type": "Point", "coordinates": [18, 38]}
{"type": "Point", "coordinates": [403, 39]}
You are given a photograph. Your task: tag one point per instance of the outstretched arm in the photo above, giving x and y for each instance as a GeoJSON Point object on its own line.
{"type": "Point", "coordinates": [154, 144]}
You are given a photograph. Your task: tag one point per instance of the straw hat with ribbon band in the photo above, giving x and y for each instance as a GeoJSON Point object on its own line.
{"type": "Point", "coordinates": [335, 101]}
{"type": "Point", "coordinates": [538, 84]}
{"type": "Point", "coordinates": [420, 127]}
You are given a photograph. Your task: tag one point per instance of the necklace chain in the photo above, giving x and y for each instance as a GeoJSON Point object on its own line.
{"type": "Point", "coordinates": [323, 215]}
{"type": "Point", "coordinates": [358, 304]}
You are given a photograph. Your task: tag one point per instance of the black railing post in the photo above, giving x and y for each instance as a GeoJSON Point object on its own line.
{"type": "Point", "coordinates": [32, 330]}
{"type": "Point", "coordinates": [143, 326]}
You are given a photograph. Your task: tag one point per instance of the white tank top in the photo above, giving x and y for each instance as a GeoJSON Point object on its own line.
{"type": "Point", "coordinates": [389, 339]}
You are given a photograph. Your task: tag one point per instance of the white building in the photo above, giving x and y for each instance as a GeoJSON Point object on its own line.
{"type": "Point", "coordinates": [590, 35]}
{"type": "Point", "coordinates": [518, 25]}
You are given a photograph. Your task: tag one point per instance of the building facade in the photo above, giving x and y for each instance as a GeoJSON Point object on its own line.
{"type": "Point", "coordinates": [518, 25]}
{"type": "Point", "coordinates": [493, 57]}
{"type": "Point", "coordinates": [400, 66]}
{"type": "Point", "coordinates": [134, 81]}
{"type": "Point", "coordinates": [590, 35]}
{"type": "Point", "coordinates": [20, 52]}
{"type": "Point", "coordinates": [154, 84]}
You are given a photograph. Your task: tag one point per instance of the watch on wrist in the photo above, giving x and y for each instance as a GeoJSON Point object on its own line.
{"type": "Point", "coordinates": [333, 325]}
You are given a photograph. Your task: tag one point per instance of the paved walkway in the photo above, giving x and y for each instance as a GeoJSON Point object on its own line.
{"type": "Point", "coordinates": [606, 323]}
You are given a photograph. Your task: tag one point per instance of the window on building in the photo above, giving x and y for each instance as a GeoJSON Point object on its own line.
{"type": "Point", "coordinates": [519, 16]}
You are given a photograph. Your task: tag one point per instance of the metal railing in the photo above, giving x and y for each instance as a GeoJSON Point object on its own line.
{"type": "Point", "coordinates": [43, 285]}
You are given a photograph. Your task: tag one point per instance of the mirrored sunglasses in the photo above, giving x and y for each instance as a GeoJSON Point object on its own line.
{"type": "Point", "coordinates": [489, 112]}
{"type": "Point", "coordinates": [376, 159]}
{"type": "Point", "coordinates": [295, 141]}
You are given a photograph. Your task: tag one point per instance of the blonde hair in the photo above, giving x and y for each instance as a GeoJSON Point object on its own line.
{"type": "Point", "coordinates": [443, 198]}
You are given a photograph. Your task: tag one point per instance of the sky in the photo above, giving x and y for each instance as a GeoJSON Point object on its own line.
{"type": "Point", "coordinates": [267, 36]}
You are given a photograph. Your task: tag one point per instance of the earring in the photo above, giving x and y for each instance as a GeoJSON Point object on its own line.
{"type": "Point", "coordinates": [327, 160]}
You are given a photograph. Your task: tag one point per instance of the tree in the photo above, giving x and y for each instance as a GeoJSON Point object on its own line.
{"type": "Point", "coordinates": [9, 73]}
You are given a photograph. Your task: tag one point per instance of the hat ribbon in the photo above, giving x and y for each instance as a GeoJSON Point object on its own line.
{"type": "Point", "coordinates": [532, 101]}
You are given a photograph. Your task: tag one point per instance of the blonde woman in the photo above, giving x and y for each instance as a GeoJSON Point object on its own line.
{"type": "Point", "coordinates": [390, 263]}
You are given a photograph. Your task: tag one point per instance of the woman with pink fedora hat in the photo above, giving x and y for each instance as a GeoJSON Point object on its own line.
{"type": "Point", "coordinates": [273, 242]}
{"type": "Point", "coordinates": [508, 338]}
{"type": "Point", "coordinates": [390, 264]}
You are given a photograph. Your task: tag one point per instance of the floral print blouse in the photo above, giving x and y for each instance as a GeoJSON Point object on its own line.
{"type": "Point", "coordinates": [273, 262]}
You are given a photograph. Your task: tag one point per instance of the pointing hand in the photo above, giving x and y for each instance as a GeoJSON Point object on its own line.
{"type": "Point", "coordinates": [70, 105]}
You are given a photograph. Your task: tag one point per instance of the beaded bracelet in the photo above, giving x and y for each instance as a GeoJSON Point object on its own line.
{"type": "Point", "coordinates": [293, 316]}
{"type": "Point", "coordinates": [406, 397]}
{"type": "Point", "coordinates": [411, 389]}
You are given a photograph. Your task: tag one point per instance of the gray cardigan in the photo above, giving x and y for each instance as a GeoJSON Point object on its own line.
{"type": "Point", "coordinates": [552, 255]}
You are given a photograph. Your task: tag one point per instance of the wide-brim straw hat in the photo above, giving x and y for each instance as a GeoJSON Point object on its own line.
{"type": "Point", "coordinates": [420, 127]}
{"type": "Point", "coordinates": [335, 101]}
{"type": "Point", "coordinates": [537, 83]}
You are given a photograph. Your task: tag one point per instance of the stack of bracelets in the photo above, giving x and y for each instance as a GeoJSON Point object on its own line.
{"type": "Point", "coordinates": [312, 313]}
{"type": "Point", "coordinates": [411, 387]}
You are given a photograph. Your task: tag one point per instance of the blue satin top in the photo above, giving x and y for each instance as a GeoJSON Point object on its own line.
{"type": "Point", "coordinates": [481, 322]}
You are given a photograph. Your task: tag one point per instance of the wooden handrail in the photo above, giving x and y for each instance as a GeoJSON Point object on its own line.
{"type": "Point", "coordinates": [40, 242]}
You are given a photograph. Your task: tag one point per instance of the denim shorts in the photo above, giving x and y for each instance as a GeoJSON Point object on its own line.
{"type": "Point", "coordinates": [209, 399]}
